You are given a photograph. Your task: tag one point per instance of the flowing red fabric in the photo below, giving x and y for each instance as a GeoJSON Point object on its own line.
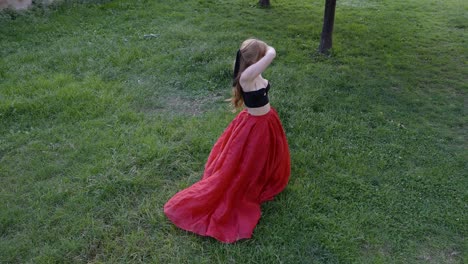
{"type": "Point", "coordinates": [248, 165]}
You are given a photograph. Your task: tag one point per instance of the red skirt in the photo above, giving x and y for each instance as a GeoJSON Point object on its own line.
{"type": "Point", "coordinates": [248, 165]}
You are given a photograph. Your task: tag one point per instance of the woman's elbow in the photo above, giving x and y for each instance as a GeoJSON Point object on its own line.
{"type": "Point", "coordinates": [271, 52]}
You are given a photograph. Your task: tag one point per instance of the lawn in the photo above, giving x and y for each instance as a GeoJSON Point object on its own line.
{"type": "Point", "coordinates": [108, 108]}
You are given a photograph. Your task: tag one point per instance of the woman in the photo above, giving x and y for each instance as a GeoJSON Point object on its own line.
{"type": "Point", "coordinates": [248, 165]}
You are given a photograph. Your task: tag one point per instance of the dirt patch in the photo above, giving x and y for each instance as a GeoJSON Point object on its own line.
{"type": "Point", "coordinates": [357, 3]}
{"type": "Point", "coordinates": [186, 105]}
{"type": "Point", "coordinates": [15, 4]}
{"type": "Point", "coordinates": [434, 256]}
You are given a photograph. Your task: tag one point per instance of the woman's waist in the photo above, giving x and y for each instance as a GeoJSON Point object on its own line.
{"type": "Point", "coordinates": [259, 111]}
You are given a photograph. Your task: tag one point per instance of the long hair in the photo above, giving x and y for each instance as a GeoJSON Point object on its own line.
{"type": "Point", "coordinates": [251, 51]}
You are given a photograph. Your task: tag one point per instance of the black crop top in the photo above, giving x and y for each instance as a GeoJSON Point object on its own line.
{"type": "Point", "coordinates": [256, 98]}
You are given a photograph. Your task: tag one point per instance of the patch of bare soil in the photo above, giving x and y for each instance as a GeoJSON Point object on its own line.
{"type": "Point", "coordinates": [185, 105]}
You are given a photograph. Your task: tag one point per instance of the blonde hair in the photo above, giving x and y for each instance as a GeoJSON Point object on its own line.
{"type": "Point", "coordinates": [251, 51]}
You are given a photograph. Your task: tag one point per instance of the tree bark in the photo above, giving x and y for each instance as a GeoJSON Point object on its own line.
{"type": "Point", "coordinates": [264, 3]}
{"type": "Point", "coordinates": [327, 30]}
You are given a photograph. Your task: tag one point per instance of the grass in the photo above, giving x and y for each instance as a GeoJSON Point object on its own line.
{"type": "Point", "coordinates": [108, 108]}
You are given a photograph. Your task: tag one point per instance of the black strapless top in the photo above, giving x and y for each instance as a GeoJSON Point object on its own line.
{"type": "Point", "coordinates": [256, 98]}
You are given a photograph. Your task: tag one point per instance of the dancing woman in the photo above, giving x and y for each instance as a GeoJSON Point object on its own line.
{"type": "Point", "coordinates": [248, 165]}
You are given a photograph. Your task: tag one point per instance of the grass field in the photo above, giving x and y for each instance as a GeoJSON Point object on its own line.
{"type": "Point", "coordinates": [108, 108]}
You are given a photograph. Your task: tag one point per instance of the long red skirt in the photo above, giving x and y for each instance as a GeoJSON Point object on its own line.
{"type": "Point", "coordinates": [248, 165]}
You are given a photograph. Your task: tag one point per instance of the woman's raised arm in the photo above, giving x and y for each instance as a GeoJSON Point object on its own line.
{"type": "Point", "coordinates": [257, 68]}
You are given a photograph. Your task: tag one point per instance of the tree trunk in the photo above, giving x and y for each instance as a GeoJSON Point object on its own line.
{"type": "Point", "coordinates": [327, 30]}
{"type": "Point", "coordinates": [264, 3]}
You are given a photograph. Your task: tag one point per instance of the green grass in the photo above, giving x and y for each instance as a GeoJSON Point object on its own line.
{"type": "Point", "coordinates": [100, 126]}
